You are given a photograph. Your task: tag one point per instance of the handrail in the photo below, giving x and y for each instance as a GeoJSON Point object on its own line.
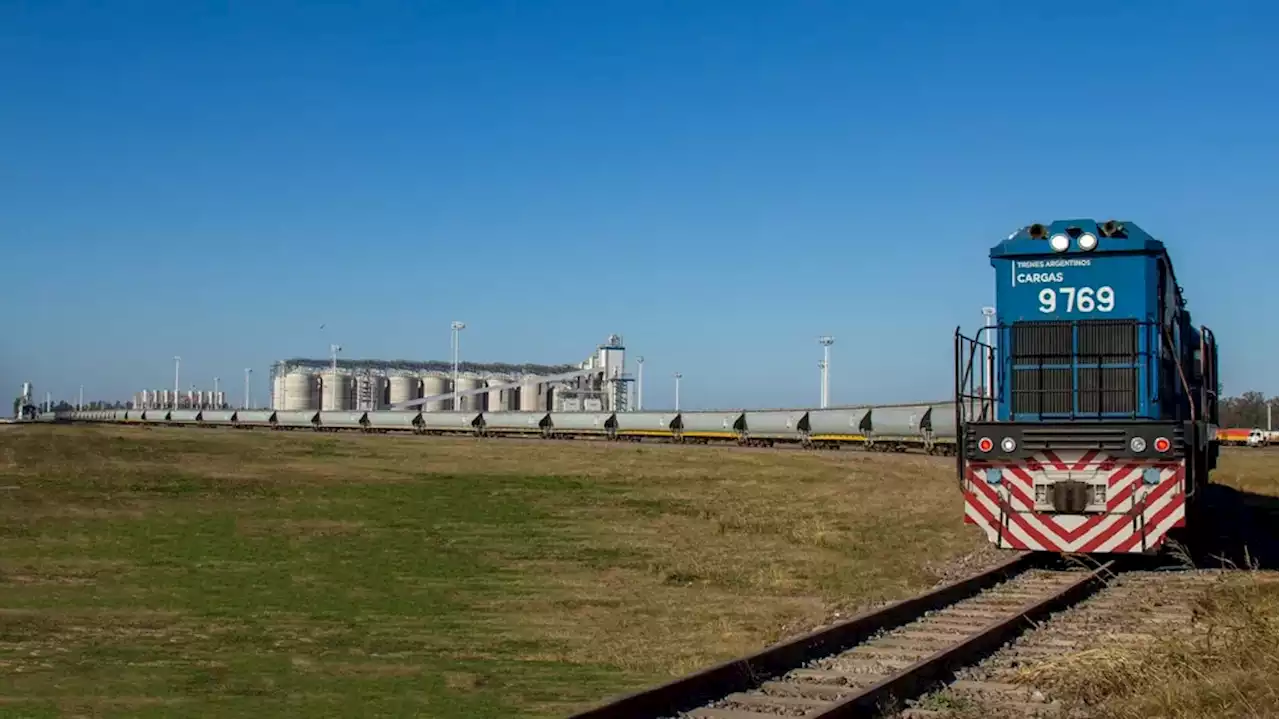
{"type": "Point", "coordinates": [1182, 375]}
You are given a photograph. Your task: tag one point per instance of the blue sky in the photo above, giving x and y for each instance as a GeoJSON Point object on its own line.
{"type": "Point", "coordinates": [720, 182]}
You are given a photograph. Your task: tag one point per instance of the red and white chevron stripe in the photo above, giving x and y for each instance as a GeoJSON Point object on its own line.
{"type": "Point", "coordinates": [1137, 518]}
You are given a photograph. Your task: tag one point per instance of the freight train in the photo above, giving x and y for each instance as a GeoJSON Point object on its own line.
{"type": "Point", "coordinates": [894, 428]}
{"type": "Point", "coordinates": [1088, 411]}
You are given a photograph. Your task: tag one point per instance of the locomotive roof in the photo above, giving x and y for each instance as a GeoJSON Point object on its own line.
{"type": "Point", "coordinates": [1135, 239]}
{"type": "Point", "coordinates": [1021, 243]}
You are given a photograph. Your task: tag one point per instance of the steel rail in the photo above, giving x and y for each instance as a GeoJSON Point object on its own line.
{"type": "Point", "coordinates": [709, 684]}
{"type": "Point", "coordinates": [940, 666]}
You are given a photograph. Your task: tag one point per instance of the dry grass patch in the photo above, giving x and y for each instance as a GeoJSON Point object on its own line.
{"type": "Point", "coordinates": [446, 577]}
{"type": "Point", "coordinates": [1226, 669]}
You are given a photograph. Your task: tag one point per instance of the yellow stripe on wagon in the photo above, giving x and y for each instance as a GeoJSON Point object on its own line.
{"type": "Point", "coordinates": [647, 432]}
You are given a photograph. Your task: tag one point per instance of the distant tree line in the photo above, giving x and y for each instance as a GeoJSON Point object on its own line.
{"type": "Point", "coordinates": [1247, 411]}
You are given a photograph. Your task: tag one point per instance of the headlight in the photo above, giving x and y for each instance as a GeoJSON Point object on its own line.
{"type": "Point", "coordinates": [1138, 444]}
{"type": "Point", "coordinates": [1059, 242]}
{"type": "Point", "coordinates": [1008, 445]}
{"type": "Point", "coordinates": [1087, 241]}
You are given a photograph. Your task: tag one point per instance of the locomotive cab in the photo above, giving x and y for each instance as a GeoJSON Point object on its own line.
{"type": "Point", "coordinates": [1087, 412]}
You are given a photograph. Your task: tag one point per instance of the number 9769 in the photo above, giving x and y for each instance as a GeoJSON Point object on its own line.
{"type": "Point", "coordinates": [1082, 299]}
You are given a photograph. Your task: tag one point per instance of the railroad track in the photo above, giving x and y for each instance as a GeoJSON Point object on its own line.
{"type": "Point", "coordinates": [1136, 608]}
{"type": "Point", "coordinates": [874, 662]}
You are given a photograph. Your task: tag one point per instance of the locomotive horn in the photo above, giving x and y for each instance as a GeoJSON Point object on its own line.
{"type": "Point", "coordinates": [1111, 228]}
{"type": "Point", "coordinates": [1038, 231]}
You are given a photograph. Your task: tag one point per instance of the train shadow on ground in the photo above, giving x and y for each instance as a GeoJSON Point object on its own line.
{"type": "Point", "coordinates": [1235, 528]}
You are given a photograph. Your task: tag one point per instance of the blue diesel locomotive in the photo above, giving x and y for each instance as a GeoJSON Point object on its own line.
{"type": "Point", "coordinates": [1087, 412]}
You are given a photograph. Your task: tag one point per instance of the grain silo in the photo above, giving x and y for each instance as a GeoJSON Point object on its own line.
{"type": "Point", "coordinates": [470, 402]}
{"type": "Point", "coordinates": [531, 397]}
{"type": "Point", "coordinates": [335, 392]}
{"type": "Point", "coordinates": [405, 388]}
{"type": "Point", "coordinates": [433, 385]}
{"type": "Point", "coordinates": [499, 399]}
{"type": "Point", "coordinates": [277, 390]}
{"type": "Point", "coordinates": [298, 391]}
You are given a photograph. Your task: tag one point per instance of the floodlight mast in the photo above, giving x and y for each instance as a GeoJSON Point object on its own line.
{"type": "Point", "coordinates": [640, 383]}
{"type": "Point", "coordinates": [678, 376]}
{"type": "Point", "coordinates": [456, 327]}
{"type": "Point", "coordinates": [333, 360]}
{"type": "Point", "coordinates": [826, 341]}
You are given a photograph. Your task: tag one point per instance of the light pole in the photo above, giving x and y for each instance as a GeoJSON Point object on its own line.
{"type": "Point", "coordinates": [333, 370]}
{"type": "Point", "coordinates": [640, 383]}
{"type": "Point", "coordinates": [80, 405]}
{"type": "Point", "coordinates": [677, 375]}
{"type": "Point", "coordinates": [247, 371]}
{"type": "Point", "coordinates": [826, 341]}
{"type": "Point", "coordinates": [457, 327]}
{"type": "Point", "coordinates": [177, 362]}
{"type": "Point", "coordinates": [213, 401]}
{"type": "Point", "coordinates": [989, 361]}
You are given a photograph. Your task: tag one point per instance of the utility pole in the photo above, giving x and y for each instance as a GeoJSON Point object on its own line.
{"type": "Point", "coordinates": [80, 405]}
{"type": "Point", "coordinates": [826, 341]}
{"type": "Point", "coordinates": [213, 401]}
{"type": "Point", "coordinates": [457, 327]}
{"type": "Point", "coordinates": [247, 371]}
{"type": "Point", "coordinates": [640, 383]}
{"type": "Point", "coordinates": [177, 362]}
{"type": "Point", "coordinates": [678, 376]}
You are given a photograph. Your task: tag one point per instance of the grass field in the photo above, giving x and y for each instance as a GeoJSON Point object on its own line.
{"type": "Point", "coordinates": [171, 572]}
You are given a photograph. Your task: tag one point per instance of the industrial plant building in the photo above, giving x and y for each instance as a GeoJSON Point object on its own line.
{"type": "Point", "coordinates": [597, 384]}
{"type": "Point", "coordinates": [191, 399]}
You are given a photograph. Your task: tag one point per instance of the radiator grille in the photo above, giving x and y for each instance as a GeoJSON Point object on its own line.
{"type": "Point", "coordinates": [1074, 368]}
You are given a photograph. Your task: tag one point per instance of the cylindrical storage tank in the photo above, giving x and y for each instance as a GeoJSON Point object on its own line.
{"type": "Point", "coordinates": [434, 385]}
{"type": "Point", "coordinates": [335, 392]}
{"type": "Point", "coordinates": [277, 391]}
{"type": "Point", "coordinates": [498, 397]}
{"type": "Point", "coordinates": [298, 391]}
{"type": "Point", "coordinates": [219, 400]}
{"type": "Point", "coordinates": [472, 402]}
{"type": "Point", "coordinates": [531, 397]}
{"type": "Point", "coordinates": [405, 388]}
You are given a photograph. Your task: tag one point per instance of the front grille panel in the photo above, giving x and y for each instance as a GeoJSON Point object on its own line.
{"type": "Point", "coordinates": [1041, 342]}
{"type": "Point", "coordinates": [1075, 368]}
{"type": "Point", "coordinates": [1041, 391]}
{"type": "Point", "coordinates": [1108, 389]}
{"type": "Point", "coordinates": [1108, 341]}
